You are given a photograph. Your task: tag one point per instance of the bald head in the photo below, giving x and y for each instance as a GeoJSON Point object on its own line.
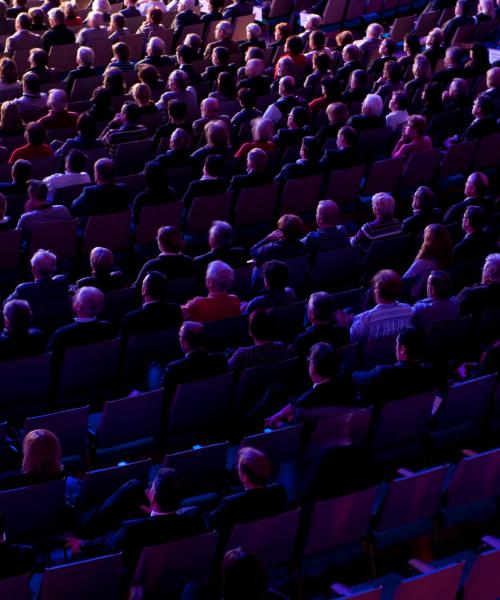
{"type": "Point", "coordinates": [210, 108]}
{"type": "Point", "coordinates": [327, 214]}
{"type": "Point", "coordinates": [192, 336]}
{"type": "Point", "coordinates": [88, 302]}
{"type": "Point", "coordinates": [493, 78]}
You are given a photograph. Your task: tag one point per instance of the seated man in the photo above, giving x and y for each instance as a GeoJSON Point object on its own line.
{"type": "Point", "coordinates": [163, 520]}
{"type": "Point", "coordinates": [126, 128]}
{"type": "Point", "coordinates": [323, 328]}
{"type": "Point", "coordinates": [88, 303]}
{"type": "Point", "coordinates": [74, 174]}
{"type": "Point", "coordinates": [384, 225]}
{"type": "Point", "coordinates": [409, 376]}
{"type": "Point", "coordinates": [329, 235]}
{"type": "Point", "coordinates": [220, 239]}
{"type": "Point", "coordinates": [18, 339]}
{"type": "Point", "coordinates": [440, 304]}
{"type": "Point", "coordinates": [85, 58]}
{"type": "Point", "coordinates": [330, 387]}
{"type": "Point", "coordinates": [476, 243]}
{"type": "Point", "coordinates": [296, 128]}
{"type": "Point", "coordinates": [276, 293]}
{"type": "Point", "coordinates": [262, 330]}
{"type": "Point", "coordinates": [155, 313]}
{"type": "Point", "coordinates": [33, 103]}
{"type": "Point", "coordinates": [279, 110]}
{"type": "Point", "coordinates": [308, 163]}
{"type": "Point", "coordinates": [256, 174]}
{"type": "Point", "coordinates": [197, 362]}
{"type": "Point", "coordinates": [476, 194]}
{"type": "Point", "coordinates": [39, 210]}
{"type": "Point", "coordinates": [485, 295]}
{"type": "Point", "coordinates": [20, 176]}
{"type": "Point", "coordinates": [346, 155]}
{"type": "Point", "coordinates": [46, 286]}
{"type": "Point", "coordinates": [218, 304]}
{"type": "Point", "coordinates": [212, 182]}
{"type": "Point", "coordinates": [35, 146]}
{"type": "Point", "coordinates": [59, 117]}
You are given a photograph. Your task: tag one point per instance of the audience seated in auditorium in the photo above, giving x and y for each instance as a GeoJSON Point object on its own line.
{"type": "Point", "coordinates": [38, 209]}
{"type": "Point", "coordinates": [58, 34]}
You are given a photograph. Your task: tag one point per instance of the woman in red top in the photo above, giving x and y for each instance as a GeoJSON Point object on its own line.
{"type": "Point", "coordinates": [35, 144]}
{"type": "Point", "coordinates": [330, 92]}
{"type": "Point", "coordinates": [262, 134]}
{"type": "Point", "coordinates": [293, 49]}
{"type": "Point", "coordinates": [413, 139]}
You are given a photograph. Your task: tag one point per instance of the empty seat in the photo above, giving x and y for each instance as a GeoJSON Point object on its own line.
{"type": "Point", "coordinates": [16, 587]}
{"type": "Point", "coordinates": [58, 237]}
{"type": "Point", "coordinates": [111, 231]}
{"type": "Point", "coordinates": [206, 209]}
{"type": "Point", "coordinates": [300, 196]}
{"type": "Point", "coordinates": [154, 217]}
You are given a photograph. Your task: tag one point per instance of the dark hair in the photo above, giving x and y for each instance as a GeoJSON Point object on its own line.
{"type": "Point", "coordinates": [486, 104]}
{"type": "Point", "coordinates": [119, 20]}
{"type": "Point", "coordinates": [148, 74]}
{"type": "Point", "coordinates": [186, 53]}
{"type": "Point", "coordinates": [332, 88]}
{"type": "Point", "coordinates": [155, 176]}
{"type": "Point", "coordinates": [321, 61]}
{"type": "Point", "coordinates": [32, 82]}
{"type": "Point", "coordinates": [168, 489]}
{"type": "Point", "coordinates": [413, 341]}
{"type": "Point", "coordinates": [476, 217]}
{"type": "Point", "coordinates": [464, 7]}
{"type": "Point", "coordinates": [389, 284]}
{"type": "Point", "coordinates": [442, 283]}
{"type": "Point", "coordinates": [300, 115]}
{"type": "Point", "coordinates": [324, 359]}
{"type": "Point", "coordinates": [101, 97]}
{"type": "Point", "coordinates": [114, 81]}
{"type": "Point", "coordinates": [243, 577]}
{"type": "Point", "coordinates": [247, 97]}
{"type": "Point", "coordinates": [317, 37]}
{"type": "Point", "coordinates": [76, 160]}
{"type": "Point", "coordinates": [294, 44]}
{"type": "Point", "coordinates": [391, 46]}
{"type": "Point", "coordinates": [262, 325]}
{"type": "Point", "coordinates": [121, 51]}
{"type": "Point", "coordinates": [131, 112]}
{"type": "Point", "coordinates": [226, 84]}
{"type": "Point", "coordinates": [21, 170]}
{"type": "Point", "coordinates": [393, 69]}
{"type": "Point", "coordinates": [38, 189]}
{"type": "Point", "coordinates": [214, 165]}
{"type": "Point", "coordinates": [275, 273]}
{"type": "Point", "coordinates": [413, 42]}
{"type": "Point", "coordinates": [194, 335]}
{"type": "Point", "coordinates": [222, 54]}
{"type": "Point", "coordinates": [311, 147]}
{"type": "Point", "coordinates": [170, 237]}
{"type": "Point", "coordinates": [36, 133]}
{"type": "Point", "coordinates": [86, 125]}
{"type": "Point", "coordinates": [402, 100]}
{"type": "Point", "coordinates": [349, 134]}
{"type": "Point", "coordinates": [177, 109]}
{"type": "Point", "coordinates": [19, 315]}
{"type": "Point", "coordinates": [155, 284]}
{"type": "Point", "coordinates": [39, 57]}
{"type": "Point", "coordinates": [322, 306]}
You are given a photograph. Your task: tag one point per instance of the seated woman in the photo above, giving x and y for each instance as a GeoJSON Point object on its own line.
{"type": "Point", "coordinates": [41, 461]}
{"type": "Point", "coordinates": [413, 139]}
{"type": "Point", "coordinates": [141, 95]}
{"type": "Point", "coordinates": [86, 139]}
{"type": "Point", "coordinates": [217, 136]}
{"type": "Point", "coordinates": [11, 123]}
{"type": "Point", "coordinates": [275, 293]}
{"type": "Point", "coordinates": [262, 136]}
{"type": "Point", "coordinates": [436, 252]}
{"type": "Point", "coordinates": [384, 225]}
{"type": "Point", "coordinates": [103, 277]}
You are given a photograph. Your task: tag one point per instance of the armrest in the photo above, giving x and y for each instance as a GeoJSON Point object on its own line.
{"type": "Point", "coordinates": [340, 589]}
{"type": "Point", "coordinates": [405, 472]}
{"type": "Point", "coordinates": [491, 541]}
{"type": "Point", "coordinates": [420, 566]}
{"type": "Point", "coordinates": [467, 452]}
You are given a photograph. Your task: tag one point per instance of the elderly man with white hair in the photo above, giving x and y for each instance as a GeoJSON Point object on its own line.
{"type": "Point", "coordinates": [493, 85]}
{"type": "Point", "coordinates": [255, 78]}
{"type": "Point", "coordinates": [218, 304]}
{"type": "Point", "coordinates": [220, 242]}
{"type": "Point", "coordinates": [47, 286]}
{"type": "Point", "coordinates": [85, 58]}
{"type": "Point", "coordinates": [279, 110]}
{"type": "Point", "coordinates": [88, 303]}
{"type": "Point", "coordinates": [384, 225]}
{"type": "Point", "coordinates": [58, 117]}
{"type": "Point", "coordinates": [329, 235]}
{"type": "Point", "coordinates": [209, 110]}
{"type": "Point", "coordinates": [95, 29]}
{"type": "Point", "coordinates": [371, 42]}
{"type": "Point", "coordinates": [223, 33]}
{"type": "Point", "coordinates": [483, 296]}
{"type": "Point", "coordinates": [254, 38]}
{"type": "Point", "coordinates": [312, 23]}
{"type": "Point", "coordinates": [155, 54]}
{"type": "Point", "coordinates": [371, 116]}
{"type": "Point", "coordinates": [186, 16]}
{"type": "Point", "coordinates": [58, 34]}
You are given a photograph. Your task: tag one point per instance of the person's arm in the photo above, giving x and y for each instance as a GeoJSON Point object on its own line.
{"type": "Point", "coordinates": [285, 415]}
{"type": "Point", "coordinates": [358, 328]}
{"type": "Point", "coordinates": [77, 206]}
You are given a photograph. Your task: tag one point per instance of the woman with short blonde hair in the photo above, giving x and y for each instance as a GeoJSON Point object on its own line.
{"type": "Point", "coordinates": [41, 454]}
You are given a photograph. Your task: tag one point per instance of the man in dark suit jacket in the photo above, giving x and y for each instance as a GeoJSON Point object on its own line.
{"type": "Point", "coordinates": [255, 176]}
{"type": "Point", "coordinates": [351, 56]}
{"type": "Point", "coordinates": [296, 128]}
{"type": "Point", "coordinates": [164, 523]}
{"type": "Point", "coordinates": [484, 122]}
{"type": "Point", "coordinates": [476, 190]}
{"type": "Point", "coordinates": [154, 314]}
{"type": "Point", "coordinates": [212, 182]}
{"type": "Point", "coordinates": [87, 304]}
{"type": "Point", "coordinates": [18, 339]}
{"type": "Point", "coordinates": [220, 239]}
{"type": "Point", "coordinates": [308, 164]}
{"type": "Point", "coordinates": [197, 362]}
{"type": "Point", "coordinates": [58, 34]}
{"type": "Point", "coordinates": [329, 235]}
{"type": "Point", "coordinates": [476, 243]}
{"type": "Point", "coordinates": [461, 18]}
{"type": "Point", "coordinates": [105, 197]}
{"type": "Point", "coordinates": [46, 287]}
{"type": "Point", "coordinates": [185, 16]}
{"type": "Point", "coordinates": [346, 155]}
{"type": "Point", "coordinates": [486, 295]}
{"type": "Point", "coordinates": [407, 377]}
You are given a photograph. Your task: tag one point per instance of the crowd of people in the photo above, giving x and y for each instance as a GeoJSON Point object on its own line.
{"type": "Point", "coordinates": [283, 104]}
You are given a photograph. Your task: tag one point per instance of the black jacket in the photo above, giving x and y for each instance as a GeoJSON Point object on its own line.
{"type": "Point", "coordinates": [79, 334]}
{"type": "Point", "coordinates": [101, 199]}
{"type": "Point", "coordinates": [151, 317]}
{"type": "Point", "coordinates": [193, 367]}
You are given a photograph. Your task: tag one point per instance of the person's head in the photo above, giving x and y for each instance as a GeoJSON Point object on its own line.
{"type": "Point", "coordinates": [321, 62]}
{"type": "Point", "coordinates": [43, 264]}
{"type": "Point", "coordinates": [387, 286]}
{"type": "Point", "coordinates": [432, 96]}
{"type": "Point", "coordinates": [358, 79]}
{"type": "Point", "coordinates": [275, 275]}
{"type": "Point", "coordinates": [344, 38]}
{"type": "Point", "coordinates": [180, 140]}
{"type": "Point", "coordinates": [479, 56]}
{"type": "Point", "coordinates": [387, 47]}
{"type": "Point", "coordinates": [57, 100]}
{"type": "Point", "coordinates": [10, 117]}
{"type": "Point", "coordinates": [85, 56]}
{"type": "Point", "coordinates": [170, 240]}
{"type": "Point", "coordinates": [243, 576]}
{"type": "Point", "coordinates": [392, 71]}
{"type": "Point", "coordinates": [141, 94]}
{"type": "Point", "coordinates": [247, 98]}
{"type": "Point", "coordinates": [493, 78]}
{"type": "Point", "coordinates": [193, 40]}
{"type": "Point", "coordinates": [256, 161]}
{"type": "Point", "coordinates": [217, 134]}
{"type": "Point", "coordinates": [88, 302]}
{"type": "Point", "coordinates": [423, 199]}
{"type": "Point", "coordinates": [254, 67]}
{"type": "Point", "coordinates": [477, 184]}
{"type": "Point", "coordinates": [313, 22]}
{"type": "Point", "coordinates": [262, 326]}
{"type": "Point", "coordinates": [154, 287]}
{"type": "Point", "coordinates": [458, 89]}
{"type": "Point", "coordinates": [310, 148]}
{"type": "Point", "coordinates": [209, 108]}
{"type": "Point", "coordinates": [220, 235]}
{"type": "Point", "coordinates": [337, 113]}
{"type": "Point", "coordinates": [213, 165]}
{"type": "Point", "coordinates": [262, 129]}
{"type": "Point", "coordinates": [298, 117]}
{"type": "Point", "coordinates": [155, 177]}
{"type": "Point", "coordinates": [178, 81]}
{"type": "Point", "coordinates": [462, 7]}
{"type": "Point", "coordinates": [253, 31]}
{"type": "Point", "coordinates": [101, 261]}
{"type": "Point", "coordinates": [154, 15]}
{"type": "Point", "coordinates": [253, 466]}
{"type": "Point", "coordinates": [282, 31]}
{"type": "Point", "coordinates": [409, 344]}
{"type": "Point", "coordinates": [130, 113]}
{"type": "Point", "coordinates": [186, 5]}
{"type": "Point", "coordinates": [452, 57]}
{"type": "Point", "coordinates": [219, 276]}
{"type": "Point", "coordinates": [291, 227]}
{"type": "Point", "coordinates": [177, 111]}
{"type": "Point", "coordinates": [37, 193]}
{"type": "Point", "coordinates": [437, 245]}
{"type": "Point", "coordinates": [114, 81]}
{"type": "Point", "coordinates": [117, 22]}
{"type": "Point", "coordinates": [167, 491]}
{"type": "Point", "coordinates": [148, 74]}
{"type": "Point", "coordinates": [41, 453]}
{"type": "Point", "coordinates": [185, 54]}
{"type": "Point", "coordinates": [37, 15]}
{"type": "Point", "coordinates": [473, 219]}
{"type": "Point", "coordinates": [330, 89]}
{"type": "Point", "coordinates": [253, 52]}
{"type": "Point", "coordinates": [75, 161]}
{"type": "Point", "coordinates": [21, 171]}
{"type": "Point", "coordinates": [411, 44]}
{"type": "Point", "coordinates": [320, 308]}
{"type": "Point", "coordinates": [17, 316]}
{"type": "Point", "coordinates": [23, 22]}
{"type": "Point", "coordinates": [435, 38]}
{"type": "Point", "coordinates": [121, 51]}
{"type": "Point", "coordinates": [35, 134]}
{"type": "Point", "coordinates": [286, 67]}
{"type": "Point", "coordinates": [223, 30]}
{"type": "Point", "coordinates": [156, 47]}
{"type": "Point", "coordinates": [102, 98]}
{"type": "Point", "coordinates": [422, 67]}
{"type": "Point", "coordinates": [31, 83]}
{"type": "Point", "coordinates": [95, 19]}
{"type": "Point", "coordinates": [286, 86]}
{"type": "Point", "coordinates": [317, 40]}
{"type": "Point", "coordinates": [483, 106]}
{"type": "Point", "coordinates": [351, 53]}
{"type": "Point", "coordinates": [327, 214]}
{"type": "Point", "coordinates": [192, 336]}
{"type": "Point", "coordinates": [86, 125]}
{"type": "Point", "coordinates": [215, 6]}
{"type": "Point", "coordinates": [491, 269]}
{"type": "Point", "coordinates": [104, 170]}
{"type": "Point", "coordinates": [56, 17]}
{"type": "Point", "coordinates": [416, 127]}
{"type": "Point", "coordinates": [226, 84]}
{"type": "Point", "coordinates": [8, 70]}
{"type": "Point", "coordinates": [399, 101]}
{"type": "Point", "coordinates": [323, 362]}
{"type": "Point", "coordinates": [347, 137]}
{"type": "Point", "coordinates": [372, 105]}
{"type": "Point", "coordinates": [439, 285]}
{"type": "Point", "coordinates": [374, 31]}
{"type": "Point", "coordinates": [383, 205]}
{"type": "Point", "coordinates": [487, 7]}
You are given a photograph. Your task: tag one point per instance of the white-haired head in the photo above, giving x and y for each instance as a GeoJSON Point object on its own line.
{"type": "Point", "coordinates": [224, 29]}
{"type": "Point", "coordinates": [219, 276]}
{"type": "Point", "coordinates": [95, 19]}
{"type": "Point", "coordinates": [372, 105]}
{"type": "Point", "coordinates": [85, 56]}
{"type": "Point", "coordinates": [57, 100]}
{"type": "Point", "coordinates": [254, 67]}
{"type": "Point", "coordinates": [88, 302]}
{"type": "Point", "coordinates": [43, 263]}
{"type": "Point", "coordinates": [101, 6]}
{"type": "Point", "coordinates": [186, 5]}
{"type": "Point", "coordinates": [374, 30]}
{"type": "Point", "coordinates": [209, 108]}
{"type": "Point", "coordinates": [313, 22]}
{"type": "Point", "coordinates": [491, 269]}
{"type": "Point", "coordinates": [253, 31]}
{"type": "Point", "coordinates": [220, 235]}
{"type": "Point", "coordinates": [383, 205]}
{"type": "Point", "coordinates": [155, 47]}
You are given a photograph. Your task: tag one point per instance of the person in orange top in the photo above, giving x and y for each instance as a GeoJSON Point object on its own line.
{"type": "Point", "coordinates": [35, 144]}
{"type": "Point", "coordinates": [293, 49]}
{"type": "Point", "coordinates": [218, 304]}
{"type": "Point", "coordinates": [413, 139]}
{"type": "Point", "coordinates": [262, 134]}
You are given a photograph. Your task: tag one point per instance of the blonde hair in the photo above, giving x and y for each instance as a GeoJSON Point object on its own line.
{"type": "Point", "coordinates": [141, 93]}
{"type": "Point", "coordinates": [10, 118]}
{"type": "Point", "coordinates": [41, 453]}
{"type": "Point", "coordinates": [262, 129]}
{"type": "Point", "coordinates": [217, 134]}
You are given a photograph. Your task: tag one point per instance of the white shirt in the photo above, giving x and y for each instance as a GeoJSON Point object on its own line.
{"type": "Point", "coordinates": [143, 7]}
{"type": "Point", "coordinates": [273, 113]}
{"type": "Point", "coordinates": [396, 118]}
{"type": "Point", "coordinates": [59, 180]}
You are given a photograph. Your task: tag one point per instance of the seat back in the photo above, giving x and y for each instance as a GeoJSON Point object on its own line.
{"type": "Point", "coordinates": [412, 498]}
{"type": "Point", "coordinates": [300, 195]}
{"type": "Point", "coordinates": [63, 57]}
{"type": "Point", "coordinates": [441, 584]}
{"type": "Point", "coordinates": [375, 142]}
{"type": "Point", "coordinates": [58, 236]}
{"type": "Point", "coordinates": [334, 12]}
{"type": "Point", "coordinates": [337, 426]}
{"type": "Point", "coordinates": [335, 269]}
{"type": "Point", "coordinates": [206, 209]}
{"type": "Point", "coordinates": [290, 320]}
{"type": "Point", "coordinates": [128, 419]}
{"type": "Point", "coordinates": [66, 195]}
{"type": "Point", "coordinates": [70, 427]}
{"type": "Point", "coordinates": [83, 87]}
{"type": "Point", "coordinates": [25, 384]}
{"type": "Point", "coordinates": [16, 587]}
{"type": "Point", "coordinates": [10, 242]}
{"type": "Point", "coordinates": [97, 578]}
{"type": "Point", "coordinates": [271, 539]}
{"type": "Point", "coordinates": [378, 351]}
{"type": "Point", "coordinates": [279, 445]}
{"type": "Point", "coordinates": [389, 252]}
{"type": "Point", "coordinates": [340, 521]}
{"type": "Point", "coordinates": [256, 205]}
{"type": "Point", "coordinates": [425, 22]}
{"type": "Point", "coordinates": [226, 333]}
{"type": "Point", "coordinates": [483, 580]}
{"type": "Point", "coordinates": [343, 185]}
{"type": "Point", "coordinates": [111, 231]}
{"type": "Point", "coordinates": [200, 467]}
{"type": "Point", "coordinates": [34, 511]}
{"type": "Point", "coordinates": [401, 26]}
{"type": "Point", "coordinates": [383, 176]}
{"type": "Point", "coordinates": [153, 217]}
{"type": "Point", "coordinates": [164, 569]}
{"type": "Point", "coordinates": [162, 346]}
{"type": "Point", "coordinates": [118, 303]}
{"type": "Point", "coordinates": [458, 159]}
{"type": "Point", "coordinates": [239, 27]}
{"type": "Point", "coordinates": [421, 168]}
{"type": "Point", "coordinates": [130, 157]}
{"type": "Point", "coordinates": [463, 34]}
{"type": "Point", "coordinates": [486, 152]}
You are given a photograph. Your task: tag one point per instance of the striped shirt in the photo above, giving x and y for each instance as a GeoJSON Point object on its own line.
{"type": "Point", "coordinates": [383, 319]}
{"type": "Point", "coordinates": [376, 230]}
